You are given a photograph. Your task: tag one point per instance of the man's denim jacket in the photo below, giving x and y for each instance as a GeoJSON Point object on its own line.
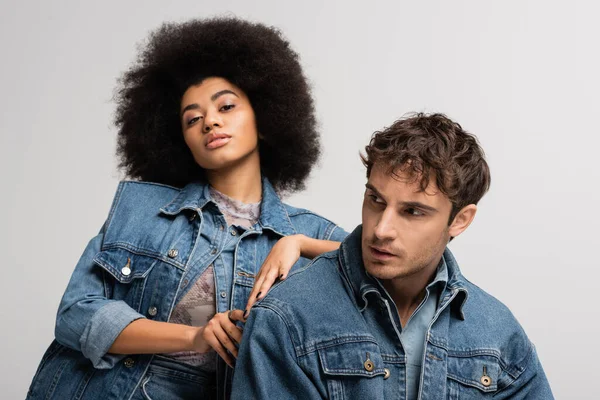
{"type": "Point", "coordinates": [153, 245]}
{"type": "Point", "coordinates": [331, 331]}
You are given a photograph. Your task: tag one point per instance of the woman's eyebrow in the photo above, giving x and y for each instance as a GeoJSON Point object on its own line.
{"type": "Point", "coordinates": [221, 93]}
{"type": "Point", "coordinates": [193, 106]}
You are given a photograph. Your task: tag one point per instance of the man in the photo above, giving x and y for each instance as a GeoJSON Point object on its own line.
{"type": "Point", "coordinates": [389, 315]}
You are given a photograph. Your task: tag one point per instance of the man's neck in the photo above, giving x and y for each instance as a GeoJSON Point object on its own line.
{"type": "Point", "coordinates": [408, 292]}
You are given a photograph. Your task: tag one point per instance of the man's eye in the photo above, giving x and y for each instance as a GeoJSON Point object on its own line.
{"type": "Point", "coordinates": [415, 212]}
{"type": "Point", "coordinates": [227, 107]}
{"type": "Point", "coordinates": [374, 199]}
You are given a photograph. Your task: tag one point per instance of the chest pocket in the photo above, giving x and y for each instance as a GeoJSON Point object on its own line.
{"type": "Point", "coordinates": [473, 376]}
{"type": "Point", "coordinates": [353, 370]}
{"type": "Point", "coordinates": [125, 274]}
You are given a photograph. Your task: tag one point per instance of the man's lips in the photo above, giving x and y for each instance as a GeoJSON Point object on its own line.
{"type": "Point", "coordinates": [214, 140]}
{"type": "Point", "coordinates": [381, 253]}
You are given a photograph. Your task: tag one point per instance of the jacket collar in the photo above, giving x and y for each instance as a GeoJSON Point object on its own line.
{"type": "Point", "coordinates": [361, 283]}
{"type": "Point", "coordinates": [273, 214]}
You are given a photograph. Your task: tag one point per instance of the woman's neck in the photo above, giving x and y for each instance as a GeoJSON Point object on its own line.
{"type": "Point", "coordinates": [241, 181]}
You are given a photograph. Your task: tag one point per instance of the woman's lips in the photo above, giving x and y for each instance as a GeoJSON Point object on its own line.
{"type": "Point", "coordinates": [216, 140]}
{"type": "Point", "coordinates": [218, 143]}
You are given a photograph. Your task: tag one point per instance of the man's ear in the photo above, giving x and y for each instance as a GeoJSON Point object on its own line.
{"type": "Point", "coordinates": [462, 220]}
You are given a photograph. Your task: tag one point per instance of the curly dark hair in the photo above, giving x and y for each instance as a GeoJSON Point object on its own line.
{"type": "Point", "coordinates": [425, 145]}
{"type": "Point", "coordinates": [254, 57]}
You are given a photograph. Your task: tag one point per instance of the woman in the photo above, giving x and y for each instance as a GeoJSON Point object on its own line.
{"type": "Point", "coordinates": [214, 119]}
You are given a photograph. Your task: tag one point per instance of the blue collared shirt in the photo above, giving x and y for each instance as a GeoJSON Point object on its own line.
{"type": "Point", "coordinates": [413, 334]}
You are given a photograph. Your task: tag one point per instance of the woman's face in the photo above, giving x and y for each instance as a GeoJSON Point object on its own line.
{"type": "Point", "coordinates": [218, 124]}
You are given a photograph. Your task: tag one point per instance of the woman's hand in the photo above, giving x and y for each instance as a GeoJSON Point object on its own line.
{"type": "Point", "coordinates": [221, 334]}
{"type": "Point", "coordinates": [277, 265]}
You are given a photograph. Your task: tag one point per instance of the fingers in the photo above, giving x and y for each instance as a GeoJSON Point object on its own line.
{"type": "Point", "coordinates": [270, 277]}
{"type": "Point", "coordinates": [236, 315]}
{"type": "Point", "coordinates": [265, 279]}
{"type": "Point", "coordinates": [223, 335]}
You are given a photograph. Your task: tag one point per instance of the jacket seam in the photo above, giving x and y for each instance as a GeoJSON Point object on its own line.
{"type": "Point", "coordinates": [281, 315]}
{"type": "Point", "coordinates": [143, 252]}
{"type": "Point", "coordinates": [113, 208]}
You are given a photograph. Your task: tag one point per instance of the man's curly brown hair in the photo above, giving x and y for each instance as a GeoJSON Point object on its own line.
{"type": "Point", "coordinates": [254, 57]}
{"type": "Point", "coordinates": [432, 145]}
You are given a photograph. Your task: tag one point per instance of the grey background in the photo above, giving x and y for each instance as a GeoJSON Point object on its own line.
{"type": "Point", "coordinates": [522, 75]}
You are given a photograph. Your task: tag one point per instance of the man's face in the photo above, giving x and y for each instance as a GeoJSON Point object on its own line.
{"type": "Point", "coordinates": [405, 230]}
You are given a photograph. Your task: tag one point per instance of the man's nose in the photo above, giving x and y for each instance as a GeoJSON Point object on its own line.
{"type": "Point", "coordinates": [386, 228]}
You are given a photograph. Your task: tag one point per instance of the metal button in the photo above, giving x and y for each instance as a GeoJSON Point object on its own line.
{"type": "Point", "coordinates": [369, 366]}
{"type": "Point", "coordinates": [233, 232]}
{"type": "Point", "coordinates": [223, 294]}
{"type": "Point", "coordinates": [152, 311]}
{"type": "Point", "coordinates": [486, 380]}
{"type": "Point", "coordinates": [386, 373]}
{"type": "Point", "coordinates": [214, 251]}
{"type": "Point", "coordinates": [193, 216]}
{"type": "Point", "coordinates": [126, 270]}
{"type": "Point", "coordinates": [129, 362]}
{"type": "Point", "coordinates": [173, 253]}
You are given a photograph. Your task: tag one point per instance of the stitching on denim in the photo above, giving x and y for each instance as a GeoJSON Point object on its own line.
{"type": "Point", "coordinates": [146, 380]}
{"type": "Point", "coordinates": [143, 252]}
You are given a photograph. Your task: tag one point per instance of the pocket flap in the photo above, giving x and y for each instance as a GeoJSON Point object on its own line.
{"type": "Point", "coordinates": [352, 358]}
{"type": "Point", "coordinates": [124, 265]}
{"type": "Point", "coordinates": [480, 371]}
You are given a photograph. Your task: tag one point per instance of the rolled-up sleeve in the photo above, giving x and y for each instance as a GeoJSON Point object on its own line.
{"type": "Point", "coordinates": [87, 320]}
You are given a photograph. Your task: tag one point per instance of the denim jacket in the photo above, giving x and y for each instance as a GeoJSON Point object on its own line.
{"type": "Point", "coordinates": [332, 331]}
{"type": "Point", "coordinates": [156, 241]}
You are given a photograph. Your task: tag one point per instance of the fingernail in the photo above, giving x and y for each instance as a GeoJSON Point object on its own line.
{"type": "Point", "coordinates": [245, 314]}
{"type": "Point", "coordinates": [258, 295]}
{"type": "Point", "coordinates": [281, 276]}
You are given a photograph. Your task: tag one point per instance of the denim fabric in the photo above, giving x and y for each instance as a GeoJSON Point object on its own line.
{"type": "Point", "coordinates": [329, 331]}
{"type": "Point", "coordinates": [155, 242]}
{"type": "Point", "coordinates": [167, 379]}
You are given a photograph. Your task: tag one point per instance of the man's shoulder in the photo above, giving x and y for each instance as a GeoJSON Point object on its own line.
{"type": "Point", "coordinates": [318, 278]}
{"type": "Point", "coordinates": [315, 293]}
{"type": "Point", "coordinates": [488, 328]}
{"type": "Point", "coordinates": [486, 309]}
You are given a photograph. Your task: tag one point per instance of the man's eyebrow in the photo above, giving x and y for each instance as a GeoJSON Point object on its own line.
{"type": "Point", "coordinates": [416, 204]}
{"type": "Point", "coordinates": [372, 188]}
{"type": "Point", "coordinates": [411, 204]}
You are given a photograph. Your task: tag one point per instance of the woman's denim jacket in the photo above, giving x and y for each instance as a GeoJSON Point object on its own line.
{"type": "Point", "coordinates": [154, 244]}
{"type": "Point", "coordinates": [332, 331]}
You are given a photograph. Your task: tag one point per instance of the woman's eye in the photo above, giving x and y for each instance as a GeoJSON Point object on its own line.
{"type": "Point", "coordinates": [193, 120]}
{"type": "Point", "coordinates": [227, 107]}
